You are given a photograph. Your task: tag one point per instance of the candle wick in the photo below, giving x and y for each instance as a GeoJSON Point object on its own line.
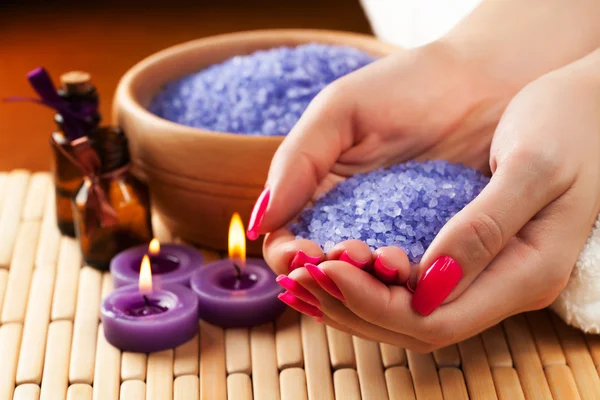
{"type": "Point", "coordinates": [238, 272]}
{"type": "Point", "coordinates": [146, 300]}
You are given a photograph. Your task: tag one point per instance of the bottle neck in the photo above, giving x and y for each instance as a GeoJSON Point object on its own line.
{"type": "Point", "coordinates": [111, 145]}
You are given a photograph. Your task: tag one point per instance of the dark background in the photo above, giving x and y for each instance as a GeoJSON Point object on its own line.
{"type": "Point", "coordinates": [107, 37]}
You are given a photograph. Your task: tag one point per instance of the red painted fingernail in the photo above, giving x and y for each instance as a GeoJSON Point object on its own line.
{"type": "Point", "coordinates": [324, 281]}
{"type": "Point", "coordinates": [258, 214]}
{"type": "Point", "coordinates": [383, 273]}
{"type": "Point", "coordinates": [298, 290]}
{"type": "Point", "coordinates": [302, 258]}
{"type": "Point", "coordinates": [346, 257]}
{"type": "Point", "coordinates": [300, 305]}
{"type": "Point", "coordinates": [436, 284]}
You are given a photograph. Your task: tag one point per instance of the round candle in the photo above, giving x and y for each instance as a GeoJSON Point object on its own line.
{"type": "Point", "coordinates": [148, 322]}
{"type": "Point", "coordinates": [171, 263]}
{"type": "Point", "coordinates": [229, 299]}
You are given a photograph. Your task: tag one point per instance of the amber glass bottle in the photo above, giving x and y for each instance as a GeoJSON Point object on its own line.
{"type": "Point", "coordinates": [78, 90]}
{"type": "Point", "coordinates": [127, 196]}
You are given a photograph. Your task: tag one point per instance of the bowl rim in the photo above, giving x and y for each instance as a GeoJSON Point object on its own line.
{"type": "Point", "coordinates": [125, 97]}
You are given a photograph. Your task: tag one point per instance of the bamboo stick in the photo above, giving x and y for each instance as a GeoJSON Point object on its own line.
{"type": "Point", "coordinates": [35, 329]}
{"type": "Point", "coordinates": [10, 214]}
{"type": "Point", "coordinates": [3, 188]}
{"type": "Point", "coordinates": [369, 369]}
{"type": "Point", "coordinates": [19, 276]}
{"type": "Point", "coordinates": [106, 371]}
{"type": "Point", "coordinates": [546, 341]}
{"type": "Point", "coordinates": [526, 359]}
{"type": "Point", "coordinates": [316, 359]}
{"type": "Point", "coordinates": [496, 347]}
{"type": "Point", "coordinates": [288, 340]}
{"type": "Point", "coordinates": [447, 356]}
{"type": "Point", "coordinates": [186, 387]}
{"type": "Point", "coordinates": [341, 349]}
{"type": "Point", "coordinates": [345, 381]}
{"type": "Point", "coordinates": [107, 285]}
{"type": "Point", "coordinates": [35, 199]}
{"type": "Point", "coordinates": [293, 384]}
{"type": "Point", "coordinates": [507, 383]}
{"type": "Point", "coordinates": [160, 230]}
{"type": "Point", "coordinates": [265, 375]}
{"type": "Point", "coordinates": [237, 350]}
{"type": "Point", "coordinates": [159, 382]}
{"type": "Point", "coordinates": [476, 369]}
{"type": "Point", "coordinates": [425, 376]}
{"type": "Point", "coordinates": [561, 381]}
{"type": "Point", "coordinates": [593, 341]}
{"type": "Point", "coordinates": [67, 277]}
{"type": "Point", "coordinates": [10, 340]}
{"type": "Point", "coordinates": [186, 358]}
{"type": "Point", "coordinates": [133, 366]}
{"type": "Point", "coordinates": [3, 282]}
{"type": "Point", "coordinates": [133, 390]}
{"type": "Point", "coordinates": [453, 384]}
{"type": "Point", "coordinates": [578, 359]}
{"type": "Point", "coordinates": [56, 362]}
{"type": "Point", "coordinates": [392, 356]}
{"type": "Point", "coordinates": [213, 385]}
{"type": "Point", "coordinates": [239, 387]}
{"type": "Point", "coordinates": [79, 391]}
{"type": "Point", "coordinates": [49, 243]}
{"type": "Point", "coordinates": [399, 383]}
{"type": "Point", "coordinates": [27, 391]}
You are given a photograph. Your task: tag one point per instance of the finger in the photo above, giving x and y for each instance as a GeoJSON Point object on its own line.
{"type": "Point", "coordinates": [474, 236]}
{"type": "Point", "coordinates": [284, 253]}
{"type": "Point", "coordinates": [355, 252]}
{"type": "Point", "coordinates": [391, 265]}
{"type": "Point", "coordinates": [304, 159]}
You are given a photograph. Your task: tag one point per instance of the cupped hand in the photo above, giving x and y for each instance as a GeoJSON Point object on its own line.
{"type": "Point", "coordinates": [511, 250]}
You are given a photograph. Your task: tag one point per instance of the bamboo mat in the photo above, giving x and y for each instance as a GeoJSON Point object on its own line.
{"type": "Point", "coordinates": [52, 345]}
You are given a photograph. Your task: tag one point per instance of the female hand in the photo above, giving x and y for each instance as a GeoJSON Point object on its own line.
{"type": "Point", "coordinates": [511, 250]}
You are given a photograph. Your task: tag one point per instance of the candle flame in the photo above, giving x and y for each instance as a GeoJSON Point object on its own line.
{"type": "Point", "coordinates": [145, 282]}
{"type": "Point", "coordinates": [237, 240]}
{"type": "Point", "coordinates": [154, 247]}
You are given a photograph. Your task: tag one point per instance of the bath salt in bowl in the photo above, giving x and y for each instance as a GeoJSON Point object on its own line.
{"type": "Point", "coordinates": [405, 206]}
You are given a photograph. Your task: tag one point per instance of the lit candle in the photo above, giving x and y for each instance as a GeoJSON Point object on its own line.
{"type": "Point", "coordinates": [237, 292]}
{"type": "Point", "coordinates": [141, 319]}
{"type": "Point", "coordinates": [171, 263]}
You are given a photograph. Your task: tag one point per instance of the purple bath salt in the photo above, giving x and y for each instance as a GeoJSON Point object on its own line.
{"type": "Point", "coordinates": [405, 205]}
{"type": "Point", "coordinates": [263, 93]}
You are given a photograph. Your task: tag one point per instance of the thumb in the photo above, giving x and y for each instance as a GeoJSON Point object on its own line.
{"type": "Point", "coordinates": [474, 236]}
{"type": "Point", "coordinates": [304, 159]}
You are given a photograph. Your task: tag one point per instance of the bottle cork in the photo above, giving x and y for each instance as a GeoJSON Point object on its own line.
{"type": "Point", "coordinates": [76, 81]}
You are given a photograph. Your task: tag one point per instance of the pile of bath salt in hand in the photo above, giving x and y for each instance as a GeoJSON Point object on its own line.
{"type": "Point", "coordinates": [263, 93]}
{"type": "Point", "coordinates": [405, 206]}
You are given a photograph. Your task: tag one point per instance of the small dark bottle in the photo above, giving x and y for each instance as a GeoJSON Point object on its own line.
{"type": "Point", "coordinates": [78, 90]}
{"type": "Point", "coordinates": [127, 195]}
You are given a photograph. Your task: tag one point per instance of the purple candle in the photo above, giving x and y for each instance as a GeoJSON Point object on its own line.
{"type": "Point", "coordinates": [170, 263]}
{"type": "Point", "coordinates": [237, 292]}
{"type": "Point", "coordinates": [143, 320]}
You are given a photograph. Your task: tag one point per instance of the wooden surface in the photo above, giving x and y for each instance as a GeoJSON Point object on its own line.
{"type": "Point", "coordinates": [107, 37]}
{"type": "Point", "coordinates": [53, 346]}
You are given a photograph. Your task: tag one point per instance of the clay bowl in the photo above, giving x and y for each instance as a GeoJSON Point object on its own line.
{"type": "Point", "coordinates": [199, 178]}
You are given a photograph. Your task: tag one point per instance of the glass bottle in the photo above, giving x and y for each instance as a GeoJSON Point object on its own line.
{"type": "Point", "coordinates": [78, 90]}
{"type": "Point", "coordinates": [127, 195]}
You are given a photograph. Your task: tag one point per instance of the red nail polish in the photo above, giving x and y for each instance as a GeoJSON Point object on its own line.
{"type": "Point", "coordinates": [324, 281]}
{"type": "Point", "coordinates": [299, 305]}
{"type": "Point", "coordinates": [436, 284]}
{"type": "Point", "coordinates": [298, 290]}
{"type": "Point", "coordinates": [383, 273]}
{"type": "Point", "coordinates": [258, 214]}
{"type": "Point", "coordinates": [346, 257]}
{"type": "Point", "coordinates": [302, 258]}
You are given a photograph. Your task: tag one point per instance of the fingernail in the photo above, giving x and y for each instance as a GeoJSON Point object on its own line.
{"type": "Point", "coordinates": [383, 273]}
{"type": "Point", "coordinates": [324, 281]}
{"type": "Point", "coordinates": [299, 305]}
{"type": "Point", "coordinates": [346, 257]}
{"type": "Point", "coordinates": [436, 284]}
{"type": "Point", "coordinates": [302, 258]}
{"type": "Point", "coordinates": [258, 214]}
{"type": "Point", "coordinates": [298, 290]}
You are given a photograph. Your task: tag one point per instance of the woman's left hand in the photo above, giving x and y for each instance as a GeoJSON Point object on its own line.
{"type": "Point", "coordinates": [511, 250]}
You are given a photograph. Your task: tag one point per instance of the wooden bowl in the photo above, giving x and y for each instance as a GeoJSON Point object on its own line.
{"type": "Point", "coordinates": [199, 178]}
